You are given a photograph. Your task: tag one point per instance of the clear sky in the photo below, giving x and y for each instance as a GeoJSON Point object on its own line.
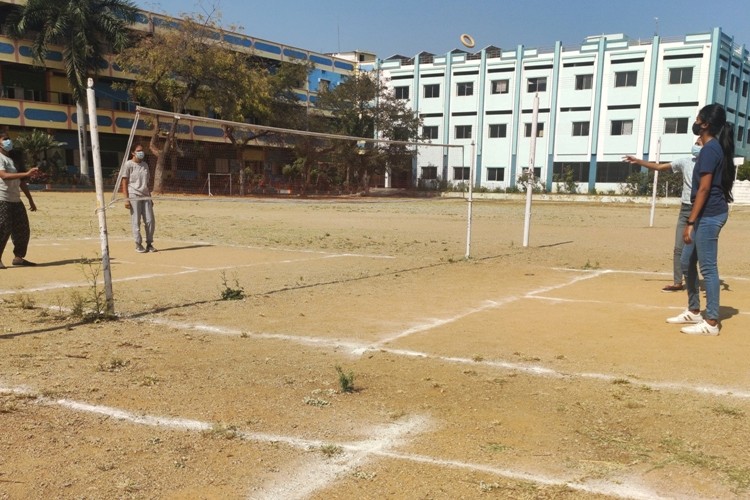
{"type": "Point", "coordinates": [407, 27]}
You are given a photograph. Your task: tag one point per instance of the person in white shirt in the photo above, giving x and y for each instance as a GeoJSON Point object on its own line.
{"type": "Point", "coordinates": [685, 167]}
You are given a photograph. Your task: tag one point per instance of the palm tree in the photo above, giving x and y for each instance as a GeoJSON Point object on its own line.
{"type": "Point", "coordinates": [86, 30]}
{"type": "Point", "coordinates": [35, 146]}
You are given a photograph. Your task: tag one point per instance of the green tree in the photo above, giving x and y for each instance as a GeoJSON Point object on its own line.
{"type": "Point", "coordinates": [178, 67]}
{"type": "Point", "coordinates": [35, 145]}
{"type": "Point", "coordinates": [86, 30]}
{"type": "Point", "coordinates": [362, 107]}
{"type": "Point", "coordinates": [283, 110]}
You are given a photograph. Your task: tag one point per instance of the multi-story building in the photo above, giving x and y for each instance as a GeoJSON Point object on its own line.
{"type": "Point", "coordinates": [33, 97]}
{"type": "Point", "coordinates": [609, 97]}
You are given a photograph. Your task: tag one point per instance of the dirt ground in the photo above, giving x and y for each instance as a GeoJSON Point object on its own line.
{"type": "Point", "coordinates": [545, 371]}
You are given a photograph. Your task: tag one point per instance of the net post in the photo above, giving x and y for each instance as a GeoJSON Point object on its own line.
{"type": "Point", "coordinates": [656, 181]}
{"type": "Point", "coordinates": [530, 178]}
{"type": "Point", "coordinates": [100, 207]}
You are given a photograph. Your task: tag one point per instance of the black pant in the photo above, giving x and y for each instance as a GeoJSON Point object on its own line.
{"type": "Point", "coordinates": [14, 223]}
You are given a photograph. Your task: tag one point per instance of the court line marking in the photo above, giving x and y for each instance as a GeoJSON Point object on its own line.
{"type": "Point", "coordinates": [62, 241]}
{"type": "Point", "coordinates": [312, 477]}
{"type": "Point", "coordinates": [186, 270]}
{"type": "Point", "coordinates": [359, 349]}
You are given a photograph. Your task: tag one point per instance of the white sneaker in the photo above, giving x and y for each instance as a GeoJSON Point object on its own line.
{"type": "Point", "coordinates": [701, 328]}
{"type": "Point", "coordinates": [685, 318]}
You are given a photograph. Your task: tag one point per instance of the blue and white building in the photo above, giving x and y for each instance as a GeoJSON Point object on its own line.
{"type": "Point", "coordinates": [606, 98]}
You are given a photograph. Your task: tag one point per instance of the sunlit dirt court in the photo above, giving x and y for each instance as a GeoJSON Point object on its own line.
{"type": "Point", "coordinates": [366, 357]}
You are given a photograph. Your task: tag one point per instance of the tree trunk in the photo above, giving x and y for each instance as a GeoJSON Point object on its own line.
{"type": "Point", "coordinates": [83, 145]}
{"type": "Point", "coordinates": [161, 156]}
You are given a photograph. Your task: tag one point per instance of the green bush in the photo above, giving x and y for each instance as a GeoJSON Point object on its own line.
{"type": "Point", "coordinates": [743, 172]}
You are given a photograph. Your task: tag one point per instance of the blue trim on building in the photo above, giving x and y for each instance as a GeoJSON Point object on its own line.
{"type": "Point", "coordinates": [557, 60]}
{"type": "Point", "coordinates": [181, 129]}
{"type": "Point", "coordinates": [6, 48]}
{"type": "Point", "coordinates": [9, 112]}
{"type": "Point", "coordinates": [343, 65]}
{"type": "Point", "coordinates": [45, 115]}
{"type": "Point", "coordinates": [267, 47]}
{"type": "Point", "coordinates": [324, 61]}
{"type": "Point", "coordinates": [128, 123]}
{"type": "Point", "coordinates": [447, 114]}
{"type": "Point", "coordinates": [54, 55]}
{"type": "Point", "coordinates": [596, 117]}
{"type": "Point", "coordinates": [516, 117]}
{"type": "Point", "coordinates": [713, 65]}
{"type": "Point", "coordinates": [208, 131]}
{"type": "Point", "coordinates": [480, 118]}
{"type": "Point", "coordinates": [296, 54]}
{"type": "Point", "coordinates": [238, 40]}
{"type": "Point", "coordinates": [103, 121]}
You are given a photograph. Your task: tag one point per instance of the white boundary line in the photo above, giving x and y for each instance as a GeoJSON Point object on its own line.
{"type": "Point", "coordinates": [186, 270]}
{"type": "Point", "coordinates": [358, 349]}
{"type": "Point", "coordinates": [306, 480]}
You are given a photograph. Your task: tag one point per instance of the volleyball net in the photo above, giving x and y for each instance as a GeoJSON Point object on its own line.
{"type": "Point", "coordinates": [197, 155]}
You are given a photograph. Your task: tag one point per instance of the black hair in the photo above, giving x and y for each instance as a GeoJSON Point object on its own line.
{"type": "Point", "coordinates": [723, 131]}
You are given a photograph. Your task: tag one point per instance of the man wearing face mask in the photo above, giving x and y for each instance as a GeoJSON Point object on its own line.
{"type": "Point", "coordinates": [135, 178]}
{"type": "Point", "coordinates": [14, 222]}
{"type": "Point", "coordinates": [685, 167]}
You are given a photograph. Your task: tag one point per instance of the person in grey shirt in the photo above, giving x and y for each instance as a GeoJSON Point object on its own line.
{"type": "Point", "coordinates": [135, 178]}
{"type": "Point", "coordinates": [685, 167]}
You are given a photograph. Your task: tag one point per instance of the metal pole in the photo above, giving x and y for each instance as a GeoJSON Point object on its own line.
{"type": "Point", "coordinates": [100, 207]}
{"type": "Point", "coordinates": [656, 181]}
{"type": "Point", "coordinates": [530, 179]}
{"type": "Point", "coordinates": [470, 200]}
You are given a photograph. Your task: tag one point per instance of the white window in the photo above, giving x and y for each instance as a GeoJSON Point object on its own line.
{"type": "Point", "coordinates": [626, 78]}
{"type": "Point", "coordinates": [429, 173]}
{"type": "Point", "coordinates": [538, 84]}
{"type": "Point", "coordinates": [495, 174]}
{"type": "Point", "coordinates": [500, 86]}
{"type": "Point", "coordinates": [498, 130]}
{"type": "Point", "coordinates": [430, 132]}
{"type": "Point", "coordinates": [622, 127]}
{"type": "Point", "coordinates": [463, 131]}
{"type": "Point", "coordinates": [584, 82]}
{"type": "Point", "coordinates": [734, 83]}
{"type": "Point", "coordinates": [401, 92]}
{"type": "Point", "coordinates": [461, 174]}
{"type": "Point", "coordinates": [432, 90]}
{"type": "Point", "coordinates": [675, 125]}
{"type": "Point", "coordinates": [580, 128]}
{"type": "Point", "coordinates": [678, 76]}
{"type": "Point", "coordinates": [465, 88]}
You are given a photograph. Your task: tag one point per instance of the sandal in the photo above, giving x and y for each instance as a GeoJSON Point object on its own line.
{"type": "Point", "coordinates": [18, 261]}
{"type": "Point", "coordinates": [673, 288]}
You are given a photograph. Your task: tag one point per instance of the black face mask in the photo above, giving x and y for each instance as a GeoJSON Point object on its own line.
{"type": "Point", "coordinates": [697, 129]}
